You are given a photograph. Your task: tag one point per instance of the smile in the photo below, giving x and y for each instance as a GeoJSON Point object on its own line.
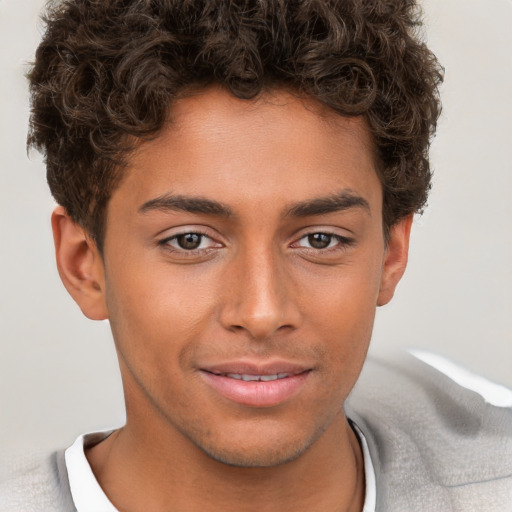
{"type": "Point", "coordinates": [256, 388]}
{"type": "Point", "coordinates": [252, 378]}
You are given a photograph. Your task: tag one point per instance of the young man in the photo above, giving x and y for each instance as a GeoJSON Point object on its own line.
{"type": "Point", "coordinates": [236, 183]}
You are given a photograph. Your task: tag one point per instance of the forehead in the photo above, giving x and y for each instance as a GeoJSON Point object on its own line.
{"type": "Point", "coordinates": [276, 149]}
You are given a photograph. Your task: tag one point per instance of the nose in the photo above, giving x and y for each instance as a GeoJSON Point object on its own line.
{"type": "Point", "coordinates": [260, 298]}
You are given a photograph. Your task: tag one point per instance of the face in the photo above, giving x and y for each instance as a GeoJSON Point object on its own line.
{"type": "Point", "coordinates": [243, 262]}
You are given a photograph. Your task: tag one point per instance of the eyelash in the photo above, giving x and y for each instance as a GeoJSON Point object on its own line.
{"type": "Point", "coordinates": [343, 243]}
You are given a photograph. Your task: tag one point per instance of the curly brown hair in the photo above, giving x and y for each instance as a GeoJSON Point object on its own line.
{"type": "Point", "coordinates": [107, 71]}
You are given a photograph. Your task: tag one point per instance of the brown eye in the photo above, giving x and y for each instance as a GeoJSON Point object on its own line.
{"type": "Point", "coordinates": [189, 241]}
{"type": "Point", "coordinates": [319, 240]}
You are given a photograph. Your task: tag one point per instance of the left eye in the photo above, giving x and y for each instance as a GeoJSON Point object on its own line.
{"type": "Point", "coordinates": [319, 241]}
{"type": "Point", "coordinates": [189, 241]}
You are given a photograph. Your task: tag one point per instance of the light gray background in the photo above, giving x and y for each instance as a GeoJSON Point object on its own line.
{"type": "Point", "coordinates": [58, 371]}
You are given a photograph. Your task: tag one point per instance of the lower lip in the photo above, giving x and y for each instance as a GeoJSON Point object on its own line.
{"type": "Point", "coordinates": [256, 393]}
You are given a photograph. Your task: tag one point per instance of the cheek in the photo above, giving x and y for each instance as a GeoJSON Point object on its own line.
{"type": "Point", "coordinates": [343, 298]}
{"type": "Point", "coordinates": [155, 310]}
{"type": "Point", "coordinates": [340, 310]}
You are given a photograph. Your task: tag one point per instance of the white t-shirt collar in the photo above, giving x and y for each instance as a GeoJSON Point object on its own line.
{"type": "Point", "coordinates": [87, 494]}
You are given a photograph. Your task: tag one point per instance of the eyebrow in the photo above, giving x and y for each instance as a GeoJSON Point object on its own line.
{"type": "Point", "coordinates": [344, 200]}
{"type": "Point", "coordinates": [340, 201]}
{"type": "Point", "coordinates": [170, 202]}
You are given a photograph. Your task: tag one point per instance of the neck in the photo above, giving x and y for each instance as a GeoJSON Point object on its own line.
{"type": "Point", "coordinates": [161, 470]}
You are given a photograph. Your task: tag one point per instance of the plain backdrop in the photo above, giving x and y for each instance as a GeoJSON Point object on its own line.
{"type": "Point", "coordinates": [58, 371]}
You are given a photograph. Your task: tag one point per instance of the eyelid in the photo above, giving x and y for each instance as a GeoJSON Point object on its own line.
{"type": "Point", "coordinates": [325, 230]}
{"type": "Point", "coordinates": [332, 238]}
{"type": "Point", "coordinates": [175, 231]}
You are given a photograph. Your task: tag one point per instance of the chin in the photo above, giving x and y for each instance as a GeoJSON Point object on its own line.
{"type": "Point", "coordinates": [257, 456]}
{"type": "Point", "coordinates": [264, 448]}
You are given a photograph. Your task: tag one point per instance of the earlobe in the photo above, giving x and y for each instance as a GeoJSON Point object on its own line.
{"type": "Point", "coordinates": [80, 265]}
{"type": "Point", "coordinates": [395, 259]}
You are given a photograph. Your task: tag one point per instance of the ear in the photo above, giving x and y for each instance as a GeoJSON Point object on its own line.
{"type": "Point", "coordinates": [80, 265]}
{"type": "Point", "coordinates": [395, 259]}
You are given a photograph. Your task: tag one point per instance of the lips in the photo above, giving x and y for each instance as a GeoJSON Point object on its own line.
{"type": "Point", "coordinates": [252, 378]}
{"type": "Point", "coordinates": [255, 385]}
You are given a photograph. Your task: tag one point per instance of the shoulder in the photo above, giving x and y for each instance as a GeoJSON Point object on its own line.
{"type": "Point", "coordinates": [34, 482]}
{"type": "Point", "coordinates": [434, 442]}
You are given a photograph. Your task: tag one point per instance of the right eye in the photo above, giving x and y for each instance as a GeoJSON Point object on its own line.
{"type": "Point", "coordinates": [319, 241]}
{"type": "Point", "coordinates": [189, 242]}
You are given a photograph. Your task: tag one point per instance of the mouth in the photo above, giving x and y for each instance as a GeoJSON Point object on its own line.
{"type": "Point", "coordinates": [246, 377]}
{"type": "Point", "coordinates": [253, 386]}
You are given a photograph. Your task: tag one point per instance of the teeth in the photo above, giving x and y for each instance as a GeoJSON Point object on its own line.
{"type": "Point", "coordinates": [253, 378]}
{"type": "Point", "coordinates": [250, 377]}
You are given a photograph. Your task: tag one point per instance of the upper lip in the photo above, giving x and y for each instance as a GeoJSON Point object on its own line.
{"type": "Point", "coordinates": [242, 367]}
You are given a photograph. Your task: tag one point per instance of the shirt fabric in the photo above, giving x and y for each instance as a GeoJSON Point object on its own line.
{"type": "Point", "coordinates": [86, 492]}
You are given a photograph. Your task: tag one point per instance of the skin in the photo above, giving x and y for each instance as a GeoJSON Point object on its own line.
{"type": "Point", "coordinates": [255, 289]}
